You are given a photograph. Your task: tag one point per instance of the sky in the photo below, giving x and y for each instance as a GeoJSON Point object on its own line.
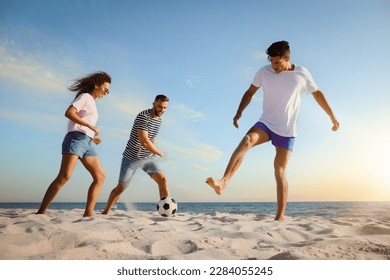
{"type": "Point", "coordinates": [203, 55]}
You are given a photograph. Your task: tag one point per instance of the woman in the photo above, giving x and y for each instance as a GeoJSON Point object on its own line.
{"type": "Point", "coordinates": [77, 144]}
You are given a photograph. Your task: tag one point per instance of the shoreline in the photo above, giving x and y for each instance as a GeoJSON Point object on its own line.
{"type": "Point", "coordinates": [359, 209]}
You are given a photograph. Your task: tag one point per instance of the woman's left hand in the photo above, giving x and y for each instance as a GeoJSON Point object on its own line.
{"type": "Point", "coordinates": [96, 140]}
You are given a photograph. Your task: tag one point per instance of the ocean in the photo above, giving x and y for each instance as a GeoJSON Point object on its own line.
{"type": "Point", "coordinates": [329, 210]}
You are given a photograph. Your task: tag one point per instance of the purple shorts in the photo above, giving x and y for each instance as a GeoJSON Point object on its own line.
{"type": "Point", "coordinates": [277, 140]}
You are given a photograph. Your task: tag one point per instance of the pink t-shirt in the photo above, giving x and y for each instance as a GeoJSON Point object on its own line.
{"type": "Point", "coordinates": [85, 105]}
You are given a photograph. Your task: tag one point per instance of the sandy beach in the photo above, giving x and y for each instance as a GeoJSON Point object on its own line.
{"type": "Point", "coordinates": [141, 235]}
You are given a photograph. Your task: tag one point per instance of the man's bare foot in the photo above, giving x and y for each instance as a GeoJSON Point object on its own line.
{"type": "Point", "coordinates": [217, 185]}
{"type": "Point", "coordinates": [279, 218]}
{"type": "Point", "coordinates": [88, 213]}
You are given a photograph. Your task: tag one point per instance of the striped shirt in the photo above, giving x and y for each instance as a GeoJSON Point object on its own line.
{"type": "Point", "coordinates": [144, 121]}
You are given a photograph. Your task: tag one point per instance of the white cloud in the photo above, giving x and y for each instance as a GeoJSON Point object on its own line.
{"type": "Point", "coordinates": [39, 70]}
{"type": "Point", "coordinates": [42, 120]}
{"type": "Point", "coordinates": [27, 70]}
{"type": "Point", "coordinates": [200, 167]}
{"type": "Point", "coordinates": [127, 104]}
{"type": "Point", "coordinates": [259, 55]}
{"type": "Point", "coordinates": [255, 60]}
{"type": "Point", "coordinates": [187, 112]}
{"type": "Point", "coordinates": [193, 150]}
{"type": "Point", "coordinates": [192, 81]}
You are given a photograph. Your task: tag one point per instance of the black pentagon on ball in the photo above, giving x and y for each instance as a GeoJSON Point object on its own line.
{"type": "Point", "coordinates": [166, 206]}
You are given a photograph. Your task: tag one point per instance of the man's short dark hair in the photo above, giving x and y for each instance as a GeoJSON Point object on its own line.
{"type": "Point", "coordinates": [161, 97]}
{"type": "Point", "coordinates": [278, 49]}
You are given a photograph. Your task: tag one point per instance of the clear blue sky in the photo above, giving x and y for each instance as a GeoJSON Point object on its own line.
{"type": "Point", "coordinates": [203, 55]}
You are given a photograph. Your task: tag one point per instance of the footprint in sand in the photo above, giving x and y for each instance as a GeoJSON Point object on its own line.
{"type": "Point", "coordinates": [375, 230]}
{"type": "Point", "coordinates": [173, 247]}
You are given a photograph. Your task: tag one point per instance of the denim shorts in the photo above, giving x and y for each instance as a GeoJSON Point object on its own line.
{"type": "Point", "coordinates": [128, 168]}
{"type": "Point", "coordinates": [79, 144]}
{"type": "Point", "coordinates": [277, 140]}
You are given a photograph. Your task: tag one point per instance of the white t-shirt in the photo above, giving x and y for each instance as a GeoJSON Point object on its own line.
{"type": "Point", "coordinates": [282, 97]}
{"type": "Point", "coordinates": [85, 105]}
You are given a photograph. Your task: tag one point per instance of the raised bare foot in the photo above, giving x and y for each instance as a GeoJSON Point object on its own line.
{"type": "Point", "coordinates": [217, 185]}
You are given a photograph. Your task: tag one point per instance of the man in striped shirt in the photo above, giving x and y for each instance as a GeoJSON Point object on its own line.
{"type": "Point", "coordinates": [140, 151]}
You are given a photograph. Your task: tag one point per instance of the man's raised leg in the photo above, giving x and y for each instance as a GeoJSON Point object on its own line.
{"type": "Point", "coordinates": [255, 136]}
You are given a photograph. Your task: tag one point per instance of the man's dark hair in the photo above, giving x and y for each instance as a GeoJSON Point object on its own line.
{"type": "Point", "coordinates": [161, 97]}
{"type": "Point", "coordinates": [278, 49]}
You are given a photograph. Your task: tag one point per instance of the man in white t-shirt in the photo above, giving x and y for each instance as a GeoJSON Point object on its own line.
{"type": "Point", "coordinates": [283, 84]}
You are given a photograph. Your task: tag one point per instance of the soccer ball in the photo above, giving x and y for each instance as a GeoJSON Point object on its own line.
{"type": "Point", "coordinates": [167, 206]}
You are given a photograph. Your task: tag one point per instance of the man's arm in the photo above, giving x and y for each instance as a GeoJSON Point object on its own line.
{"type": "Point", "coordinates": [246, 99]}
{"type": "Point", "coordinates": [321, 100]}
{"type": "Point", "coordinates": [147, 144]}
